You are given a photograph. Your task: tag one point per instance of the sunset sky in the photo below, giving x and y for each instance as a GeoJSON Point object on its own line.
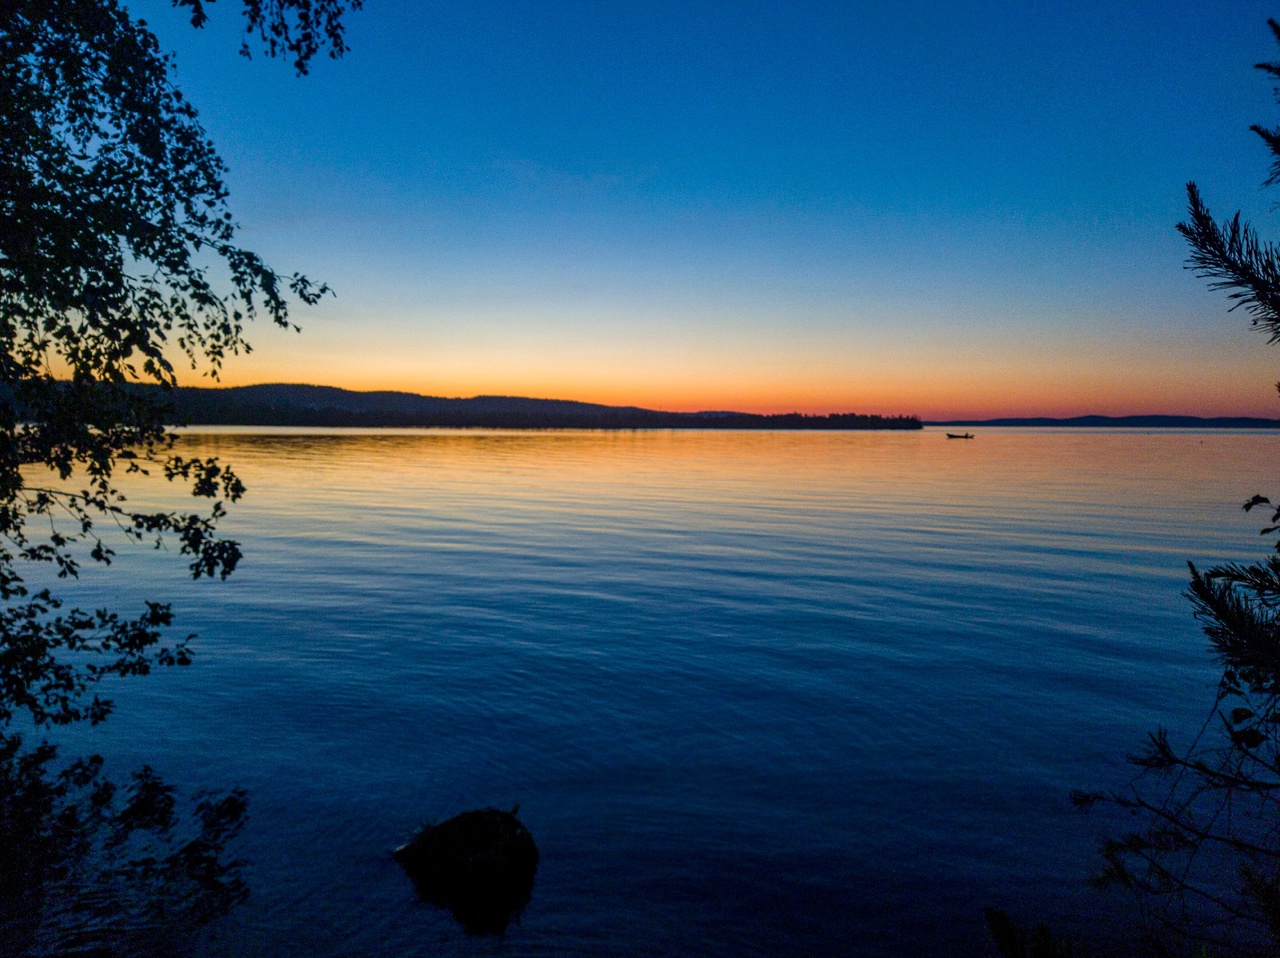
{"type": "Point", "coordinates": [959, 209]}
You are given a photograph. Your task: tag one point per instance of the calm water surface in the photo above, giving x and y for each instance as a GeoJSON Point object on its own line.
{"type": "Point", "coordinates": [755, 693]}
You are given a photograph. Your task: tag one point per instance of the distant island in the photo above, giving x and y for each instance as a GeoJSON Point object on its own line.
{"type": "Point", "coordinates": [1125, 422]}
{"type": "Point", "coordinates": [300, 405]}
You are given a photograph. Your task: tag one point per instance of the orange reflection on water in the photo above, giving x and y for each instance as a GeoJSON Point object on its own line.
{"type": "Point", "coordinates": [702, 476]}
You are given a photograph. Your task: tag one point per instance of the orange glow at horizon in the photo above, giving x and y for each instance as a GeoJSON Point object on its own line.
{"type": "Point", "coordinates": [930, 397]}
{"type": "Point", "coordinates": [1232, 377]}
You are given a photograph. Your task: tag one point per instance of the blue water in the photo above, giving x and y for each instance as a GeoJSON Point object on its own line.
{"type": "Point", "coordinates": [755, 693]}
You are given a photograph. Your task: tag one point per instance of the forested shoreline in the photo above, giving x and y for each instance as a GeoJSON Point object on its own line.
{"type": "Point", "coordinates": [300, 405]}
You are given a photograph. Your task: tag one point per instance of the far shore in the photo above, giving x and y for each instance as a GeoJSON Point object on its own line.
{"type": "Point", "coordinates": [309, 406]}
{"type": "Point", "coordinates": [1123, 422]}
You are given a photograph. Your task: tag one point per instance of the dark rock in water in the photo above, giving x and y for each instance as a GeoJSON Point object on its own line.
{"type": "Point", "coordinates": [479, 865]}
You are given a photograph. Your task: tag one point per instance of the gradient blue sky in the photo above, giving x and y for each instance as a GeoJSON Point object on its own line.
{"type": "Point", "coordinates": [949, 209]}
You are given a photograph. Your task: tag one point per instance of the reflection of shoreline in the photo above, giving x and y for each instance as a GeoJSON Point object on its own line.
{"type": "Point", "coordinates": [89, 866]}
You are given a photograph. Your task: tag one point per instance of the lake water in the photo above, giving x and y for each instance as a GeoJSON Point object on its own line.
{"type": "Point", "coordinates": [756, 693]}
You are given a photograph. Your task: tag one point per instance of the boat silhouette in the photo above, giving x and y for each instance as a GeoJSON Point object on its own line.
{"type": "Point", "coordinates": [959, 435]}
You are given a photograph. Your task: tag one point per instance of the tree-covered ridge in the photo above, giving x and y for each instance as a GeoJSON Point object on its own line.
{"type": "Point", "coordinates": [301, 405]}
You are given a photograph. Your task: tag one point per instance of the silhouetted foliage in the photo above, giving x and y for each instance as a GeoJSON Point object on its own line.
{"type": "Point", "coordinates": [1230, 254]}
{"type": "Point", "coordinates": [118, 261]}
{"type": "Point", "coordinates": [1204, 856]}
{"type": "Point", "coordinates": [1205, 860]}
{"type": "Point", "coordinates": [118, 257]}
{"type": "Point", "coordinates": [479, 864]}
{"type": "Point", "coordinates": [295, 28]}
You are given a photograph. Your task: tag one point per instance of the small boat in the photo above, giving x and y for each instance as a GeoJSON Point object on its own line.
{"type": "Point", "coordinates": [959, 435]}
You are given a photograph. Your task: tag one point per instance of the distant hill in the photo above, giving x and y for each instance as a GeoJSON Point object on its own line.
{"type": "Point", "coordinates": [1130, 422]}
{"type": "Point", "coordinates": [299, 405]}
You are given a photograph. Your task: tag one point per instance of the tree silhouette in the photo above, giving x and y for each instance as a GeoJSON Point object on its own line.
{"type": "Point", "coordinates": [118, 259]}
{"type": "Point", "coordinates": [1204, 861]}
{"type": "Point", "coordinates": [119, 263]}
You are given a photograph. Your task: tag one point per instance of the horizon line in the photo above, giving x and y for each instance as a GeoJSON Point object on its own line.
{"type": "Point", "coordinates": [975, 420]}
